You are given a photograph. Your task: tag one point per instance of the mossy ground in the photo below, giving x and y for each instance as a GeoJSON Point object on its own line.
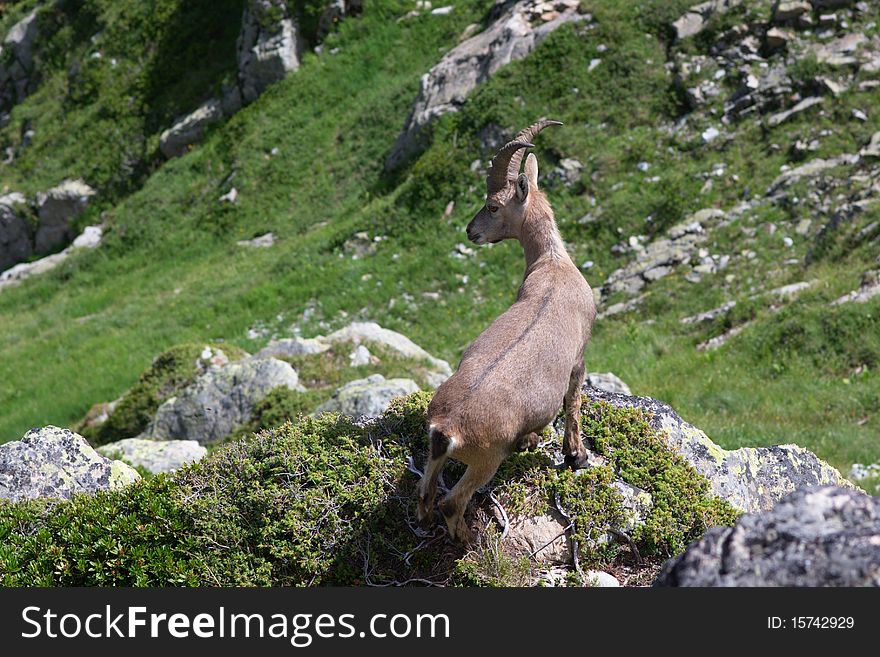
{"type": "Point", "coordinates": [327, 501]}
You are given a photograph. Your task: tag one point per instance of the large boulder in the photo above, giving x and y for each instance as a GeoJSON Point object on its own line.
{"type": "Point", "coordinates": [749, 478]}
{"type": "Point", "coordinates": [57, 463]}
{"type": "Point", "coordinates": [57, 209]}
{"type": "Point", "coordinates": [17, 75]}
{"type": "Point", "coordinates": [155, 455]}
{"type": "Point", "coordinates": [269, 46]}
{"type": "Point", "coordinates": [821, 536]}
{"type": "Point", "coordinates": [447, 85]}
{"type": "Point", "coordinates": [189, 130]}
{"type": "Point", "coordinates": [220, 400]}
{"type": "Point", "coordinates": [16, 233]}
{"type": "Point", "coordinates": [90, 238]}
{"type": "Point", "coordinates": [367, 397]}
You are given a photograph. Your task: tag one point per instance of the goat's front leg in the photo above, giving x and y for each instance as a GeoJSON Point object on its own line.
{"type": "Point", "coordinates": [455, 503]}
{"type": "Point", "coordinates": [572, 447]}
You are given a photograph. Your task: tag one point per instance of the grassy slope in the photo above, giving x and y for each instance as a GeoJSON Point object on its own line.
{"type": "Point", "coordinates": [170, 271]}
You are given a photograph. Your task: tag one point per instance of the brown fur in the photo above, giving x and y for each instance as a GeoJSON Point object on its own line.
{"type": "Point", "coordinates": [513, 379]}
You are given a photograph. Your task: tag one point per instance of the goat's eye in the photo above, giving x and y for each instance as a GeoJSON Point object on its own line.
{"type": "Point", "coordinates": [493, 208]}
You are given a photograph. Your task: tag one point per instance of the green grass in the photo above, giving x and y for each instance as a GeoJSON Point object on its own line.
{"type": "Point", "coordinates": [170, 271]}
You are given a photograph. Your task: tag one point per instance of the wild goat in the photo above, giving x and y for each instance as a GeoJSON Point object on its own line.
{"type": "Point", "coordinates": [513, 379]}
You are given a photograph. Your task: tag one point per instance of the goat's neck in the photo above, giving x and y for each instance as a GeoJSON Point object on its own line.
{"type": "Point", "coordinates": [540, 237]}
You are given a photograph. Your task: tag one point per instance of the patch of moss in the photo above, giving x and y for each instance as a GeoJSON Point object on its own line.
{"type": "Point", "coordinates": [684, 507]}
{"type": "Point", "coordinates": [169, 372]}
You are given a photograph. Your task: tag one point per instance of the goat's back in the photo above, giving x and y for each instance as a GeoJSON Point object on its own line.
{"type": "Point", "coordinates": [513, 378]}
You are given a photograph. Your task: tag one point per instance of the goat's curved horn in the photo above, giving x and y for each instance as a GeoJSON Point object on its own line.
{"type": "Point", "coordinates": [527, 135]}
{"type": "Point", "coordinates": [496, 177]}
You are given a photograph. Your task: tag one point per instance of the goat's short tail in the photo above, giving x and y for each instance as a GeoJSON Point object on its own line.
{"type": "Point", "coordinates": [441, 443]}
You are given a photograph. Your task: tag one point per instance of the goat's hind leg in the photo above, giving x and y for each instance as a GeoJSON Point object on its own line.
{"type": "Point", "coordinates": [428, 484]}
{"type": "Point", "coordinates": [572, 447]}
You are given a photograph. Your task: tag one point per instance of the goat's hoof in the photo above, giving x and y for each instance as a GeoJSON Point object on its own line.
{"type": "Point", "coordinates": [426, 520]}
{"type": "Point", "coordinates": [577, 461]}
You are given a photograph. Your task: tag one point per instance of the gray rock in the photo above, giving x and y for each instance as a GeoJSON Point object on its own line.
{"type": "Point", "coordinates": [608, 382]}
{"type": "Point", "coordinates": [709, 315]}
{"type": "Point", "coordinates": [600, 579]}
{"type": "Point", "coordinates": [155, 455]}
{"type": "Point", "coordinates": [293, 347]}
{"type": "Point", "coordinates": [840, 52]}
{"type": "Point", "coordinates": [220, 400]}
{"type": "Point", "coordinates": [18, 78]}
{"type": "Point", "coordinates": [269, 46]}
{"type": "Point", "coordinates": [367, 397]}
{"type": "Point", "coordinates": [789, 10]}
{"type": "Point", "coordinates": [447, 85]}
{"type": "Point", "coordinates": [57, 210]}
{"type": "Point", "coordinates": [872, 150]}
{"type": "Point", "coordinates": [90, 238]}
{"type": "Point", "coordinates": [751, 479]}
{"type": "Point", "coordinates": [262, 242]}
{"type": "Point", "coordinates": [820, 536]}
{"type": "Point", "coordinates": [805, 104]}
{"type": "Point", "coordinates": [57, 463]}
{"type": "Point", "coordinates": [697, 17]}
{"type": "Point", "coordinates": [16, 236]}
{"type": "Point", "coordinates": [542, 538]}
{"type": "Point", "coordinates": [190, 130]}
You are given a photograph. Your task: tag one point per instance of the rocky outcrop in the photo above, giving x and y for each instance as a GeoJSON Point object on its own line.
{"type": "Point", "coordinates": [57, 463]}
{"type": "Point", "coordinates": [658, 258]}
{"type": "Point", "coordinates": [18, 78]}
{"type": "Point", "coordinates": [155, 455]}
{"type": "Point", "coordinates": [697, 17]}
{"type": "Point", "coordinates": [16, 232]}
{"type": "Point", "coordinates": [447, 85]}
{"type": "Point", "coordinates": [749, 478]}
{"type": "Point", "coordinates": [189, 130]}
{"type": "Point", "coordinates": [57, 209]}
{"type": "Point", "coordinates": [90, 238]}
{"type": "Point", "coordinates": [220, 400]}
{"type": "Point", "coordinates": [361, 333]}
{"type": "Point", "coordinates": [269, 46]}
{"type": "Point", "coordinates": [821, 536]}
{"type": "Point", "coordinates": [367, 397]}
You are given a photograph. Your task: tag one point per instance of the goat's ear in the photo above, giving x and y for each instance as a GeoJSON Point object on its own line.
{"type": "Point", "coordinates": [532, 169]}
{"type": "Point", "coordinates": [522, 188]}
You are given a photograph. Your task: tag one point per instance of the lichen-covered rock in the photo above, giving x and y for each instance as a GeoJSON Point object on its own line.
{"type": "Point", "coordinates": [367, 397]}
{"type": "Point", "coordinates": [749, 478]}
{"type": "Point", "coordinates": [57, 209]}
{"type": "Point", "coordinates": [608, 382]}
{"type": "Point", "coordinates": [17, 75]}
{"type": "Point", "coordinates": [189, 130]}
{"type": "Point", "coordinates": [542, 538]}
{"type": "Point", "coordinates": [57, 463]}
{"type": "Point", "coordinates": [447, 85]}
{"type": "Point", "coordinates": [220, 400]}
{"type": "Point", "coordinates": [155, 455]}
{"type": "Point", "coordinates": [820, 536]}
{"type": "Point", "coordinates": [269, 46]}
{"type": "Point", "coordinates": [16, 235]}
{"type": "Point", "coordinates": [293, 347]}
